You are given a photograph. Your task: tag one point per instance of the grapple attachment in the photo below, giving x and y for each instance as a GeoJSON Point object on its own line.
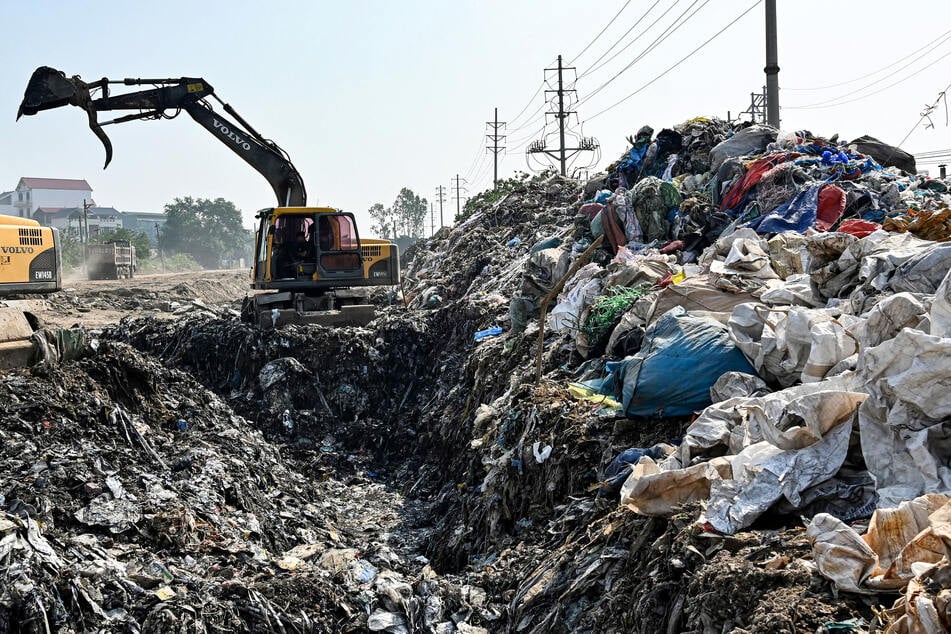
{"type": "Point", "coordinates": [51, 88]}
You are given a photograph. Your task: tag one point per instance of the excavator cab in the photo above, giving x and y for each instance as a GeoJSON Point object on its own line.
{"type": "Point", "coordinates": [314, 258]}
{"type": "Point", "coordinates": [306, 245]}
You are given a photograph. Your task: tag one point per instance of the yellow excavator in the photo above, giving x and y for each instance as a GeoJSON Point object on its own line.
{"type": "Point", "coordinates": [310, 261]}
{"type": "Point", "coordinates": [29, 263]}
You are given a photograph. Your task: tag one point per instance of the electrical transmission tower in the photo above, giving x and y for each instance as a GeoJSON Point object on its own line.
{"type": "Point", "coordinates": [757, 108]}
{"type": "Point", "coordinates": [494, 137]}
{"type": "Point", "coordinates": [460, 188]}
{"type": "Point", "coordinates": [441, 198]}
{"type": "Point", "coordinates": [561, 101]}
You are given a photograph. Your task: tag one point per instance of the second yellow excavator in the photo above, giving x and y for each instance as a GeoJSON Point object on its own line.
{"type": "Point", "coordinates": [310, 260]}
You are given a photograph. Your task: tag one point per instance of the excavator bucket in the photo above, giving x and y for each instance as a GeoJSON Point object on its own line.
{"type": "Point", "coordinates": [50, 88]}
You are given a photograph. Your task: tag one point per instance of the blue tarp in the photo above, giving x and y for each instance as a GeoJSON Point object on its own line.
{"type": "Point", "coordinates": [680, 360]}
{"type": "Point", "coordinates": [796, 214]}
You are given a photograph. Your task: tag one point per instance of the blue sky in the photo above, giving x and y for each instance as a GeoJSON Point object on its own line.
{"type": "Point", "coordinates": [368, 96]}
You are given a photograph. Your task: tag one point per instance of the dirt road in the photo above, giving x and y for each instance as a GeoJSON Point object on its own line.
{"type": "Point", "coordinates": [96, 303]}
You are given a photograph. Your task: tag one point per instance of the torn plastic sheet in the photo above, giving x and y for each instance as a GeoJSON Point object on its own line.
{"type": "Point", "coordinates": [792, 344]}
{"type": "Point", "coordinates": [581, 291]}
{"type": "Point", "coordinates": [898, 542]}
{"type": "Point", "coordinates": [905, 428]}
{"type": "Point", "coordinates": [763, 473]}
{"type": "Point", "coordinates": [730, 426]}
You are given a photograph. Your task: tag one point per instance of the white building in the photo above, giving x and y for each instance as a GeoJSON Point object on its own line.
{"type": "Point", "coordinates": [50, 193]}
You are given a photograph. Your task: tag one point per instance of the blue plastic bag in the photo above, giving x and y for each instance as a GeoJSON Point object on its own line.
{"type": "Point", "coordinates": [488, 332]}
{"type": "Point", "coordinates": [680, 360]}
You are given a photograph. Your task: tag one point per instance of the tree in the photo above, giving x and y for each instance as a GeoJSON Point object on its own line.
{"type": "Point", "coordinates": [383, 224]}
{"type": "Point", "coordinates": [72, 248]}
{"type": "Point", "coordinates": [141, 242]}
{"type": "Point", "coordinates": [409, 213]}
{"type": "Point", "coordinates": [207, 230]}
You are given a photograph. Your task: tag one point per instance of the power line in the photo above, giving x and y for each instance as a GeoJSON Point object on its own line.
{"type": "Point", "coordinates": [532, 120]}
{"type": "Point", "coordinates": [529, 103]}
{"type": "Point", "coordinates": [478, 156]}
{"type": "Point", "coordinates": [880, 90]}
{"type": "Point", "coordinates": [831, 102]}
{"type": "Point", "coordinates": [601, 32]}
{"type": "Point", "coordinates": [657, 42]}
{"type": "Point", "coordinates": [926, 153]}
{"type": "Point", "coordinates": [875, 72]}
{"type": "Point", "coordinates": [679, 62]}
{"type": "Point", "coordinates": [520, 143]}
{"type": "Point", "coordinates": [591, 68]}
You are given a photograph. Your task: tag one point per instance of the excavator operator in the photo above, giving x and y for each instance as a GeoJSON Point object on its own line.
{"type": "Point", "coordinates": [291, 255]}
{"type": "Point", "coordinates": [304, 249]}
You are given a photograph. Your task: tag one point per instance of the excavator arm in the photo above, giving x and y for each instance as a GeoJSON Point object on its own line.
{"type": "Point", "coordinates": [49, 88]}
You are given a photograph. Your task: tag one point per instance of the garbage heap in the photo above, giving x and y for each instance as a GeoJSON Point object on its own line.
{"type": "Point", "coordinates": [768, 312]}
{"type": "Point", "coordinates": [136, 500]}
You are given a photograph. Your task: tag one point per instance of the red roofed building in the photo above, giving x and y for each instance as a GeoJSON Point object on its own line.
{"type": "Point", "coordinates": [32, 193]}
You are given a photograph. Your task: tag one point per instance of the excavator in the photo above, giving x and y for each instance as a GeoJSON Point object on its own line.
{"type": "Point", "coordinates": [309, 261]}
{"type": "Point", "coordinates": [29, 263]}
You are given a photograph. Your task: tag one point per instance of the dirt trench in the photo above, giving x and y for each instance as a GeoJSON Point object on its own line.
{"type": "Point", "coordinates": [195, 474]}
{"type": "Point", "coordinates": [397, 405]}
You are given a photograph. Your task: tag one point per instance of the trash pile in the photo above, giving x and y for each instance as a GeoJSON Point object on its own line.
{"type": "Point", "coordinates": [701, 392]}
{"type": "Point", "coordinates": [788, 293]}
{"type": "Point", "coordinates": [136, 500]}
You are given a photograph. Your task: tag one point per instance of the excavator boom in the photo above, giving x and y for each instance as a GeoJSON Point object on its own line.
{"type": "Point", "coordinates": [309, 258]}
{"type": "Point", "coordinates": [50, 88]}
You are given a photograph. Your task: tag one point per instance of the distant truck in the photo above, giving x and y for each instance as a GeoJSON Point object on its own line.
{"type": "Point", "coordinates": [112, 260]}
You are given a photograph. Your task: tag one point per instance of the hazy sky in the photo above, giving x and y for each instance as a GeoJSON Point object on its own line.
{"type": "Point", "coordinates": [368, 96]}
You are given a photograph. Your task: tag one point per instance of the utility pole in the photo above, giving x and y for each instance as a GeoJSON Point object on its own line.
{"type": "Point", "coordinates": [563, 112]}
{"type": "Point", "coordinates": [158, 244]}
{"type": "Point", "coordinates": [561, 119]}
{"type": "Point", "coordinates": [495, 137]}
{"type": "Point", "coordinates": [772, 66]}
{"type": "Point", "coordinates": [85, 241]}
{"type": "Point", "coordinates": [458, 194]}
{"type": "Point", "coordinates": [432, 220]}
{"type": "Point", "coordinates": [441, 197]}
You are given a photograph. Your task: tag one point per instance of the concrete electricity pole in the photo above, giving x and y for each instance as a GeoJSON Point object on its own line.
{"type": "Point", "coordinates": [85, 240]}
{"type": "Point", "coordinates": [432, 220]}
{"type": "Point", "coordinates": [441, 197]}
{"type": "Point", "coordinates": [772, 66]}
{"type": "Point", "coordinates": [495, 137]}
{"type": "Point", "coordinates": [459, 187]}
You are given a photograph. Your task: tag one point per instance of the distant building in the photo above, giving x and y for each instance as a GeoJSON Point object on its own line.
{"type": "Point", "coordinates": [6, 204]}
{"type": "Point", "coordinates": [56, 193]}
{"type": "Point", "coordinates": [100, 219]}
{"type": "Point", "coordinates": [144, 222]}
{"type": "Point", "coordinates": [53, 216]}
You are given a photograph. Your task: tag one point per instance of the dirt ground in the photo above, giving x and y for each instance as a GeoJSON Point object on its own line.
{"type": "Point", "coordinates": [96, 303]}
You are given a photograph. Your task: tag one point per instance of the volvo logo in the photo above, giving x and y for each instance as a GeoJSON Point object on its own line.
{"type": "Point", "coordinates": [225, 130]}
